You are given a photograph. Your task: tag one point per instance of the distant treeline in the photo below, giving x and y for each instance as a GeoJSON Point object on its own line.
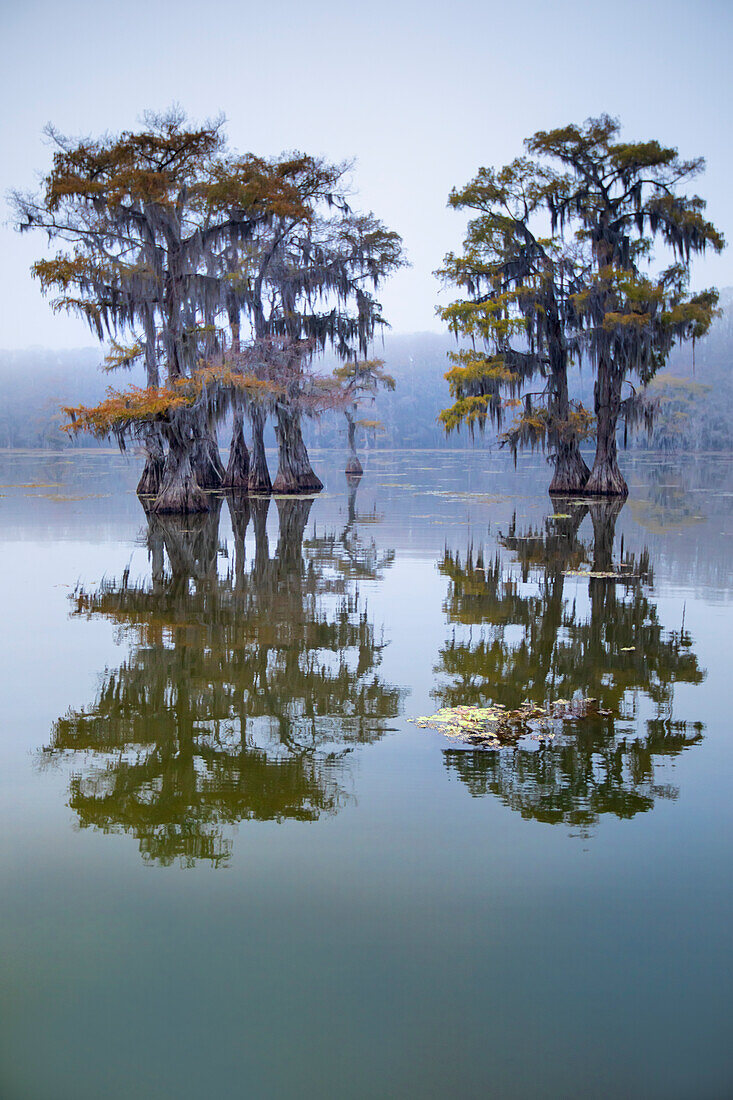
{"type": "Point", "coordinates": [36, 383]}
{"type": "Point", "coordinates": [695, 399]}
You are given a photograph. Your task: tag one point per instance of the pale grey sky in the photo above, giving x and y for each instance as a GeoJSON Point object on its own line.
{"type": "Point", "coordinates": [421, 94]}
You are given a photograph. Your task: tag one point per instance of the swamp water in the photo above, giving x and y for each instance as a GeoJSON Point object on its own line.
{"type": "Point", "coordinates": [232, 865]}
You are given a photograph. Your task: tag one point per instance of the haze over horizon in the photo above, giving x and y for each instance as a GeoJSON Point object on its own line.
{"type": "Point", "coordinates": [419, 95]}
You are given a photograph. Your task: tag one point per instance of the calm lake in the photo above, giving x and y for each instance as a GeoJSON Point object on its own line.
{"type": "Point", "coordinates": [231, 864]}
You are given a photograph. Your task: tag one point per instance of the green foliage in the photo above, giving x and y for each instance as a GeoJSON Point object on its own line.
{"type": "Point", "coordinates": [517, 311]}
{"type": "Point", "coordinates": [533, 305]}
{"type": "Point", "coordinates": [616, 200]}
{"type": "Point", "coordinates": [363, 376]}
{"type": "Point", "coordinates": [121, 356]}
{"type": "Point", "coordinates": [175, 241]}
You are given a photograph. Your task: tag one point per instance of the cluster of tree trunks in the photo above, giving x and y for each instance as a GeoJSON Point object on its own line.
{"type": "Point", "coordinates": [182, 471]}
{"type": "Point", "coordinates": [572, 476]}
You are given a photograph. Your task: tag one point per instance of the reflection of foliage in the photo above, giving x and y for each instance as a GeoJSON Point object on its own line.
{"type": "Point", "coordinates": [668, 504]}
{"type": "Point", "coordinates": [494, 726]}
{"type": "Point", "coordinates": [580, 776]}
{"type": "Point", "coordinates": [538, 644]}
{"type": "Point", "coordinates": [241, 694]}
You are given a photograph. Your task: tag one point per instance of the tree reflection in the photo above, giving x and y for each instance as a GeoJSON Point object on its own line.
{"type": "Point", "coordinates": [349, 552]}
{"type": "Point", "coordinates": [542, 635]}
{"type": "Point", "coordinates": [242, 693]}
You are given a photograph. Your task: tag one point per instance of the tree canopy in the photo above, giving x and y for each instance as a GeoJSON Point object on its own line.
{"type": "Point", "coordinates": [173, 242]}
{"type": "Point", "coordinates": [580, 285]}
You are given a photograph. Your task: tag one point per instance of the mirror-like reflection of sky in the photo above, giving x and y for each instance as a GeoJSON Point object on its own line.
{"type": "Point", "coordinates": [230, 862]}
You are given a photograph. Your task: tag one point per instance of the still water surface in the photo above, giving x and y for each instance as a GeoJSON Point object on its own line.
{"type": "Point", "coordinates": [232, 866]}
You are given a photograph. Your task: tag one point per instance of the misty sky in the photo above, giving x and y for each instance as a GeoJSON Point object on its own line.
{"type": "Point", "coordinates": [421, 94]}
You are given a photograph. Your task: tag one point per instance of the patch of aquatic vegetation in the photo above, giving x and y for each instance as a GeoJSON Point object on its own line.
{"type": "Point", "coordinates": [492, 727]}
{"type": "Point", "coordinates": [34, 485]}
{"type": "Point", "coordinates": [477, 498]}
{"type": "Point", "coordinates": [659, 517]}
{"type": "Point", "coordinates": [85, 496]}
{"type": "Point", "coordinates": [622, 572]}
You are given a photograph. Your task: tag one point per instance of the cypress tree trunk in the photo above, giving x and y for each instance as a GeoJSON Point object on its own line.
{"type": "Point", "coordinates": [605, 478]}
{"type": "Point", "coordinates": [237, 471]}
{"type": "Point", "coordinates": [353, 466]}
{"type": "Point", "coordinates": [205, 459]}
{"type": "Point", "coordinates": [571, 473]}
{"type": "Point", "coordinates": [179, 492]}
{"type": "Point", "coordinates": [152, 476]}
{"type": "Point", "coordinates": [295, 473]}
{"type": "Point", "coordinates": [259, 475]}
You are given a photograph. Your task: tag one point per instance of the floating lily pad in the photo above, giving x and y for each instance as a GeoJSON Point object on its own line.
{"type": "Point", "coordinates": [495, 726]}
{"type": "Point", "coordinates": [620, 574]}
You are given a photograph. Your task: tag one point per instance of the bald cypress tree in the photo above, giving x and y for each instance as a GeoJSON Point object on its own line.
{"type": "Point", "coordinates": [308, 282]}
{"type": "Point", "coordinates": [536, 301]}
{"type": "Point", "coordinates": [148, 216]}
{"type": "Point", "coordinates": [518, 315]}
{"type": "Point", "coordinates": [360, 379]}
{"type": "Point", "coordinates": [619, 200]}
{"type": "Point", "coordinates": [125, 204]}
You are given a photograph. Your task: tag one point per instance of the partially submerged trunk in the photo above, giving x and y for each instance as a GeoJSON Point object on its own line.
{"type": "Point", "coordinates": [205, 459]}
{"type": "Point", "coordinates": [295, 473]}
{"type": "Point", "coordinates": [571, 472]}
{"type": "Point", "coordinates": [259, 475]}
{"type": "Point", "coordinates": [152, 475]}
{"type": "Point", "coordinates": [179, 492]}
{"type": "Point", "coordinates": [353, 465]}
{"type": "Point", "coordinates": [238, 467]}
{"type": "Point", "coordinates": [606, 478]}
